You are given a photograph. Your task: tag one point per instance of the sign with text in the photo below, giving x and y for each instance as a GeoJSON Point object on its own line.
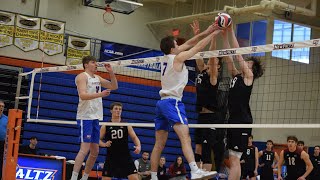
{"type": "Point", "coordinates": [78, 47]}
{"type": "Point", "coordinates": [6, 28]}
{"type": "Point", "coordinates": [51, 36]}
{"type": "Point", "coordinates": [27, 33]}
{"type": "Point", "coordinates": [36, 168]}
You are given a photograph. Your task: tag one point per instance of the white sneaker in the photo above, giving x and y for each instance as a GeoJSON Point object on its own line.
{"type": "Point", "coordinates": [201, 174]}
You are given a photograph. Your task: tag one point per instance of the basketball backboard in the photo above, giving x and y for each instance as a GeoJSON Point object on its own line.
{"type": "Point", "coordinates": [120, 6]}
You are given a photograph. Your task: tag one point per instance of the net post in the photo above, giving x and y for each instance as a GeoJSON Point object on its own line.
{"type": "Point", "coordinates": [31, 94]}
{"type": "Point", "coordinates": [16, 102]}
{"type": "Point", "coordinates": [10, 155]}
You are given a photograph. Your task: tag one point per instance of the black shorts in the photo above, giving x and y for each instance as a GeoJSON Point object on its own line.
{"type": "Point", "coordinates": [237, 138]}
{"type": "Point", "coordinates": [208, 135]}
{"type": "Point", "coordinates": [119, 168]}
{"type": "Point", "coordinates": [218, 151]}
{"type": "Point", "coordinates": [314, 177]}
{"type": "Point", "coordinates": [267, 173]}
{"type": "Point", "coordinates": [245, 173]}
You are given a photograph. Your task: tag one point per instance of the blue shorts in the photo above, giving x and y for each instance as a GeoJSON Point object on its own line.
{"type": "Point", "coordinates": [168, 113]}
{"type": "Point", "coordinates": [89, 131]}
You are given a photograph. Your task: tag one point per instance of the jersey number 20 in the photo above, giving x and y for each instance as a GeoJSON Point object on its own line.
{"type": "Point", "coordinates": [116, 134]}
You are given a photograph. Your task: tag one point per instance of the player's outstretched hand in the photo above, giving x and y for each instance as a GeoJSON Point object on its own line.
{"type": "Point", "coordinates": [137, 149]}
{"type": "Point", "coordinates": [105, 92]}
{"type": "Point", "coordinates": [195, 27]}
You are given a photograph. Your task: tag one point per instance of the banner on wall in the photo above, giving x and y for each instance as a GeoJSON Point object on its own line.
{"type": "Point", "coordinates": [78, 47]}
{"type": "Point", "coordinates": [6, 28]}
{"type": "Point", "coordinates": [27, 33]}
{"type": "Point", "coordinates": [51, 36]}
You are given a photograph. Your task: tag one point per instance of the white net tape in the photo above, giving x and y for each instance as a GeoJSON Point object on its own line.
{"type": "Point", "coordinates": [205, 54]}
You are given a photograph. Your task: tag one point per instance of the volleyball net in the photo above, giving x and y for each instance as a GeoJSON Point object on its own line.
{"type": "Point", "coordinates": [286, 96]}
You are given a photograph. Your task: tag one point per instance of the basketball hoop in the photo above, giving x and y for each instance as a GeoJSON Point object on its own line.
{"type": "Point", "coordinates": [108, 16]}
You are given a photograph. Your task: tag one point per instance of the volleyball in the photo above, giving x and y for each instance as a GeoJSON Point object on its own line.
{"type": "Point", "coordinates": [223, 20]}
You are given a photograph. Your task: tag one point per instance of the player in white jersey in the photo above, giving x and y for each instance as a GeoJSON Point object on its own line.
{"type": "Point", "coordinates": [170, 110]}
{"type": "Point", "coordinates": [90, 112]}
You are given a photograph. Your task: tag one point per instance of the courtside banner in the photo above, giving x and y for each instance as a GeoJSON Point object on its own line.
{"type": "Point", "coordinates": [51, 36]}
{"type": "Point", "coordinates": [36, 168]}
{"type": "Point", "coordinates": [6, 28]}
{"type": "Point", "coordinates": [27, 33]}
{"type": "Point", "coordinates": [78, 47]}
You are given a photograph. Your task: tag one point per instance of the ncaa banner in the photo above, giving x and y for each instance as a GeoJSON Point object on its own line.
{"type": "Point", "coordinates": [51, 37]}
{"type": "Point", "coordinates": [27, 33]}
{"type": "Point", "coordinates": [6, 28]}
{"type": "Point", "coordinates": [78, 47]}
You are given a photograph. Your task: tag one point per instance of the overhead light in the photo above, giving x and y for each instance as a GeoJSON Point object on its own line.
{"type": "Point", "coordinates": [131, 2]}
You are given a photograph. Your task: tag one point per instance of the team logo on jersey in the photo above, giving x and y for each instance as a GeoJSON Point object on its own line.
{"type": "Point", "coordinates": [315, 42]}
{"type": "Point", "coordinates": [34, 173]}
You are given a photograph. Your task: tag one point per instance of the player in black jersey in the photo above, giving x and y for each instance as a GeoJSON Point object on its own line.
{"type": "Point", "coordinates": [210, 109]}
{"type": "Point", "coordinates": [297, 161]}
{"type": "Point", "coordinates": [269, 159]}
{"type": "Point", "coordinates": [119, 163]}
{"type": "Point", "coordinates": [315, 159]}
{"type": "Point", "coordinates": [238, 101]}
{"type": "Point", "coordinates": [250, 161]}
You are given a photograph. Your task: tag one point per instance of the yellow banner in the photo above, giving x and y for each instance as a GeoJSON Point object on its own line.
{"type": "Point", "coordinates": [27, 33]}
{"type": "Point", "coordinates": [51, 36]}
{"type": "Point", "coordinates": [78, 48]}
{"type": "Point", "coordinates": [6, 28]}
{"type": "Point", "coordinates": [74, 53]}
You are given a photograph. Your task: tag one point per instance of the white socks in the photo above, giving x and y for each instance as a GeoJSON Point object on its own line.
{"type": "Point", "coordinates": [193, 166]}
{"type": "Point", "coordinates": [74, 176]}
{"type": "Point", "coordinates": [85, 176]}
{"type": "Point", "coordinates": [154, 175]}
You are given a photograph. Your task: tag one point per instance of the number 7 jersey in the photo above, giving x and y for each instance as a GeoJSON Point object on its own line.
{"type": "Point", "coordinates": [172, 82]}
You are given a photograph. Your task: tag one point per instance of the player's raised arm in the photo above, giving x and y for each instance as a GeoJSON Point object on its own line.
{"type": "Point", "coordinates": [194, 40]}
{"type": "Point", "coordinates": [185, 55]}
{"type": "Point", "coordinates": [244, 68]}
{"type": "Point", "coordinates": [233, 71]}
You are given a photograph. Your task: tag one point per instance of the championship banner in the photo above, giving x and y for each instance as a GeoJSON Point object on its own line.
{"type": "Point", "coordinates": [6, 28]}
{"type": "Point", "coordinates": [27, 33]}
{"type": "Point", "coordinates": [51, 36]}
{"type": "Point", "coordinates": [78, 47]}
